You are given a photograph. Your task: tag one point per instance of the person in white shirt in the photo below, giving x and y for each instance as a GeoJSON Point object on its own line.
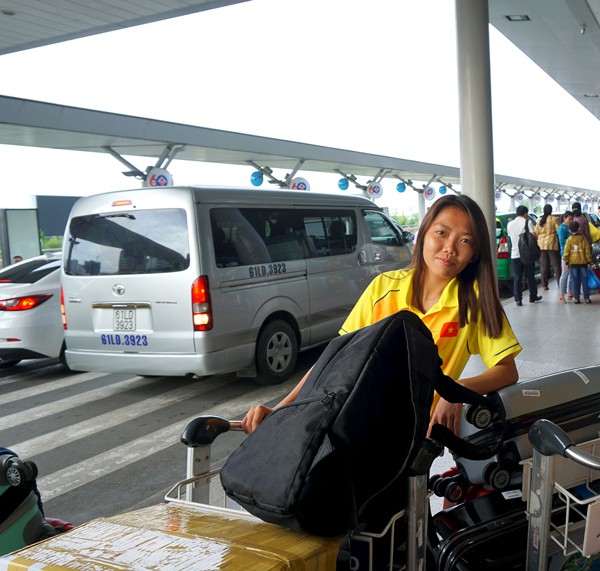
{"type": "Point", "coordinates": [514, 229]}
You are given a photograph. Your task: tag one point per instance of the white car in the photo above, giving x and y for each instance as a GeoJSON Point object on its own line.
{"type": "Point", "coordinates": [30, 319]}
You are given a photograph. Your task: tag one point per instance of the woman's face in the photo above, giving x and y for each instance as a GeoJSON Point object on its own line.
{"type": "Point", "coordinates": [448, 244]}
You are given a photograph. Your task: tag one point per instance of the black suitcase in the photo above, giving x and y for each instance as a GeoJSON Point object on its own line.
{"type": "Point", "coordinates": [474, 536]}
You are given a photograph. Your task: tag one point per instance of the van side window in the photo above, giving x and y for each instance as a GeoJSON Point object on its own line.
{"type": "Point", "coordinates": [136, 242]}
{"type": "Point", "coordinates": [381, 229]}
{"type": "Point", "coordinates": [330, 232]}
{"type": "Point", "coordinates": [245, 236]}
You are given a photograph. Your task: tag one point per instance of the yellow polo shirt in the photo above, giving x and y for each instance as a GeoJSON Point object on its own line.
{"type": "Point", "coordinates": [392, 292]}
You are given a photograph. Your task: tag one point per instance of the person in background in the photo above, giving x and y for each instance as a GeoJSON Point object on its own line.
{"type": "Point", "coordinates": [514, 229]}
{"type": "Point", "coordinates": [451, 286]}
{"type": "Point", "coordinates": [578, 255]}
{"type": "Point", "coordinates": [17, 259]}
{"type": "Point", "coordinates": [546, 233]}
{"type": "Point", "coordinates": [565, 286]}
{"type": "Point", "coordinates": [580, 217]}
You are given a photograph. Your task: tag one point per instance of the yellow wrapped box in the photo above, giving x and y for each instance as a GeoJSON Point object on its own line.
{"type": "Point", "coordinates": [170, 537]}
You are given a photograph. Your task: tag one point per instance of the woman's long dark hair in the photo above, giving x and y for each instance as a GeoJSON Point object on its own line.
{"type": "Point", "coordinates": [547, 212]}
{"type": "Point", "coordinates": [481, 268]}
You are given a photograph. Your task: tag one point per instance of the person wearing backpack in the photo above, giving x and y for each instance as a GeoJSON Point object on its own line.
{"type": "Point", "coordinates": [451, 286]}
{"type": "Point", "coordinates": [578, 255]}
{"type": "Point", "coordinates": [515, 228]}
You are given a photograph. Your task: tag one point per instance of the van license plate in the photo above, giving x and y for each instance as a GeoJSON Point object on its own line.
{"type": "Point", "coordinates": [123, 319]}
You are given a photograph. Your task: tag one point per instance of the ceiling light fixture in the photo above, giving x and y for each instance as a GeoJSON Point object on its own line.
{"type": "Point", "coordinates": [518, 18]}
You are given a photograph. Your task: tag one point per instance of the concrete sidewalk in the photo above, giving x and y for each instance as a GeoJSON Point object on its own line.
{"type": "Point", "coordinates": [554, 336]}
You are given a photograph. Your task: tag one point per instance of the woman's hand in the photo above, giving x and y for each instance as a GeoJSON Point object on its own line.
{"type": "Point", "coordinates": [447, 414]}
{"type": "Point", "coordinates": [254, 417]}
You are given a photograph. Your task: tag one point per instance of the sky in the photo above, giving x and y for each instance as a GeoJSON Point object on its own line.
{"type": "Point", "coordinates": [377, 77]}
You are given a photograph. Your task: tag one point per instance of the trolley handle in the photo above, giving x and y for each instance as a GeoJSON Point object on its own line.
{"type": "Point", "coordinates": [549, 439]}
{"type": "Point", "coordinates": [203, 431]}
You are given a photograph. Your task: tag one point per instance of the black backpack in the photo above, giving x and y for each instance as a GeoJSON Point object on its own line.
{"type": "Point", "coordinates": [529, 251]}
{"type": "Point", "coordinates": [326, 462]}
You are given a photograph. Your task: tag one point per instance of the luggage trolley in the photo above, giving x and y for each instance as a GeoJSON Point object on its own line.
{"type": "Point", "coordinates": [370, 551]}
{"type": "Point", "coordinates": [569, 520]}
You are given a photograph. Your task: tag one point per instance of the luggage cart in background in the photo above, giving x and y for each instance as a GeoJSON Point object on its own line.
{"type": "Point", "coordinates": [370, 551]}
{"type": "Point", "coordinates": [563, 496]}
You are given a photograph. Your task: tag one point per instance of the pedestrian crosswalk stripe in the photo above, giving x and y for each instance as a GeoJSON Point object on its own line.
{"type": "Point", "coordinates": [62, 405]}
{"type": "Point", "coordinates": [86, 471]}
{"type": "Point", "coordinates": [34, 390]}
{"type": "Point", "coordinates": [73, 432]}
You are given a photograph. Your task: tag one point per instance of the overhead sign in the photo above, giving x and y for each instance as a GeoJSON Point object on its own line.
{"type": "Point", "coordinates": [401, 187]}
{"type": "Point", "coordinates": [158, 177]}
{"type": "Point", "coordinates": [429, 193]}
{"type": "Point", "coordinates": [497, 195]}
{"type": "Point", "coordinates": [519, 197]}
{"type": "Point", "coordinates": [375, 190]}
{"type": "Point", "coordinates": [343, 184]}
{"type": "Point", "coordinates": [299, 183]}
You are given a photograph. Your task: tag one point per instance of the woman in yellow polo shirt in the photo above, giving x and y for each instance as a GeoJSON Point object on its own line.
{"type": "Point", "coordinates": [451, 286]}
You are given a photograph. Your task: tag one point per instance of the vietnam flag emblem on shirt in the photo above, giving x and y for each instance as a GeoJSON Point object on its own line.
{"type": "Point", "coordinates": [449, 329]}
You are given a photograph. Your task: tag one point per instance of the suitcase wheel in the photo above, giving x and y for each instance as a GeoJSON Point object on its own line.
{"type": "Point", "coordinates": [497, 475]}
{"type": "Point", "coordinates": [14, 472]}
{"type": "Point", "coordinates": [479, 416]}
{"type": "Point", "coordinates": [453, 488]}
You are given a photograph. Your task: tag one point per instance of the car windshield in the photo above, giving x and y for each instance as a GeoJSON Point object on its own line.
{"type": "Point", "coordinates": [28, 272]}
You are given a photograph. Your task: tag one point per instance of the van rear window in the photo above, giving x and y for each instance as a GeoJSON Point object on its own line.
{"type": "Point", "coordinates": [133, 242]}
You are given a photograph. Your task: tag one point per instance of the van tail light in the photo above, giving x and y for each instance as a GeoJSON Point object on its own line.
{"type": "Point", "coordinates": [24, 303]}
{"type": "Point", "coordinates": [63, 313]}
{"type": "Point", "coordinates": [503, 251]}
{"type": "Point", "coordinates": [201, 305]}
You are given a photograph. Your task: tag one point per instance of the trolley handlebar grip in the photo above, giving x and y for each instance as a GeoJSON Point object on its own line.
{"type": "Point", "coordinates": [548, 439]}
{"type": "Point", "coordinates": [203, 431]}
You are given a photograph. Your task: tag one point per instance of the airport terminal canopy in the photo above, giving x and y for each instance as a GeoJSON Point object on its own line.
{"type": "Point", "coordinates": [562, 37]}
{"type": "Point", "coordinates": [48, 125]}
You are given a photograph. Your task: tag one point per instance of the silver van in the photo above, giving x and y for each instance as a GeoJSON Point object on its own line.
{"type": "Point", "coordinates": [202, 281]}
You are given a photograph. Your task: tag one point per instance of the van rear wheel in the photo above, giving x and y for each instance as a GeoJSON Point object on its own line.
{"type": "Point", "coordinates": [276, 353]}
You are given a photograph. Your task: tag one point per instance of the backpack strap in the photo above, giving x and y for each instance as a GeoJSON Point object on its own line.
{"type": "Point", "coordinates": [454, 392]}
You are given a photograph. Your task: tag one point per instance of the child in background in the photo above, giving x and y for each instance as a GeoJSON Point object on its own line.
{"type": "Point", "coordinates": [577, 255]}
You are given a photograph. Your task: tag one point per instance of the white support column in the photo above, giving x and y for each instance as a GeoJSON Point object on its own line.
{"type": "Point", "coordinates": [475, 107]}
{"type": "Point", "coordinates": [422, 207]}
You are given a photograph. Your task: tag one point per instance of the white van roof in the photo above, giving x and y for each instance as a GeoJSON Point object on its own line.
{"type": "Point", "coordinates": [236, 195]}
